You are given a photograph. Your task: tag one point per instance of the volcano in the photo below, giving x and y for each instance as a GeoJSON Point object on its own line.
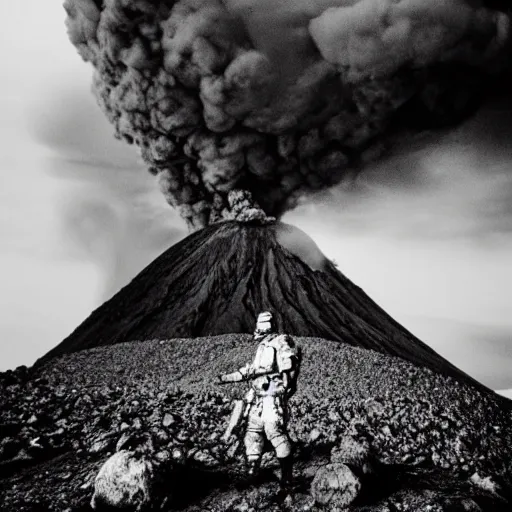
{"type": "Point", "coordinates": [379, 420]}
{"type": "Point", "coordinates": [218, 279]}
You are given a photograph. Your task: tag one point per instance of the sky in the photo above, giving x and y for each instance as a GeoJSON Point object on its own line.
{"type": "Point", "coordinates": [426, 232]}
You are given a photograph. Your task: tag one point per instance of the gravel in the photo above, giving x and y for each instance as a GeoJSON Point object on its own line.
{"type": "Point", "coordinates": [59, 423]}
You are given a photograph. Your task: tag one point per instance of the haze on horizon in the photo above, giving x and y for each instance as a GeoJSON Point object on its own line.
{"type": "Point", "coordinates": [432, 247]}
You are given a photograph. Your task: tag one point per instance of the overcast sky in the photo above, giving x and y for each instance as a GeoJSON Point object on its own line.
{"type": "Point", "coordinates": [427, 233]}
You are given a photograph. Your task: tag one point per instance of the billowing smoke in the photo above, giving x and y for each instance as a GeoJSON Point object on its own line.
{"type": "Point", "coordinates": [280, 98]}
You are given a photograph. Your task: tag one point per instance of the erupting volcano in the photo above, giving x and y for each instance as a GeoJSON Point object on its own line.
{"type": "Point", "coordinates": [241, 108]}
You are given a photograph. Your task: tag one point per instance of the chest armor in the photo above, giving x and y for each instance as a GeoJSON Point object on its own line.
{"type": "Point", "coordinates": [265, 358]}
{"type": "Point", "coordinates": [265, 361]}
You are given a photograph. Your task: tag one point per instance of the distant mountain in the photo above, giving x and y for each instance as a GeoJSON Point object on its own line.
{"type": "Point", "coordinates": [218, 279]}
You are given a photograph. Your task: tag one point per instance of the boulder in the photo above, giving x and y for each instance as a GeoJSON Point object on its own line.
{"type": "Point", "coordinates": [125, 481]}
{"type": "Point", "coordinates": [335, 486]}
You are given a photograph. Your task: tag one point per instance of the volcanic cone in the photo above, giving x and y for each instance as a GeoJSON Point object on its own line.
{"type": "Point", "coordinates": [218, 279]}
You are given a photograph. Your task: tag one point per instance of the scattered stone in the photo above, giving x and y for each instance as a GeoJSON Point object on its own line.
{"type": "Point", "coordinates": [22, 455]}
{"type": "Point", "coordinates": [162, 436]}
{"type": "Point", "coordinates": [168, 420]}
{"type": "Point", "coordinates": [314, 435]}
{"type": "Point", "coordinates": [100, 445]}
{"type": "Point", "coordinates": [37, 443]}
{"type": "Point", "coordinates": [86, 485]}
{"type": "Point", "coordinates": [243, 506]}
{"type": "Point", "coordinates": [335, 485]}
{"type": "Point", "coordinates": [182, 436]}
{"type": "Point", "coordinates": [333, 416]}
{"type": "Point", "coordinates": [205, 458]}
{"type": "Point", "coordinates": [485, 483]}
{"type": "Point", "coordinates": [63, 422]}
{"type": "Point", "coordinates": [178, 455]}
{"type": "Point", "coordinates": [124, 481]}
{"type": "Point", "coordinates": [33, 419]}
{"type": "Point", "coordinates": [469, 505]}
{"type": "Point", "coordinates": [163, 456]}
{"type": "Point", "coordinates": [386, 431]}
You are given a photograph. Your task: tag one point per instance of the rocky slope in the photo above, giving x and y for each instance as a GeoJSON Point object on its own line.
{"type": "Point", "coordinates": [436, 443]}
{"type": "Point", "coordinates": [218, 279]}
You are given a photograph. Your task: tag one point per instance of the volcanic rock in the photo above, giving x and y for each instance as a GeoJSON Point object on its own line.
{"type": "Point", "coordinates": [123, 482]}
{"type": "Point", "coordinates": [393, 409]}
{"type": "Point", "coordinates": [168, 420]}
{"type": "Point", "coordinates": [354, 452]}
{"type": "Point", "coordinates": [399, 427]}
{"type": "Point", "coordinates": [335, 485]}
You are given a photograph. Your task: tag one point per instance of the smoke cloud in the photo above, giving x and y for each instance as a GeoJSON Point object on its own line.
{"type": "Point", "coordinates": [280, 98]}
{"type": "Point", "coordinates": [110, 213]}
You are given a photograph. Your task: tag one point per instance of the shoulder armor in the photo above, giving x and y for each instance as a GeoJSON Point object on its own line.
{"type": "Point", "coordinates": [285, 351]}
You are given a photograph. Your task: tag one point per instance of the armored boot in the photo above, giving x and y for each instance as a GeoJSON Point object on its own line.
{"type": "Point", "coordinates": [253, 472]}
{"type": "Point", "coordinates": [253, 467]}
{"type": "Point", "coordinates": [286, 477]}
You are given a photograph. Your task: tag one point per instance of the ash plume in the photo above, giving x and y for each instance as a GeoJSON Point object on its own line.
{"type": "Point", "coordinates": [280, 98]}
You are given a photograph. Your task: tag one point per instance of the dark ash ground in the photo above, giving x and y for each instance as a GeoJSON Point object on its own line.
{"type": "Point", "coordinates": [439, 444]}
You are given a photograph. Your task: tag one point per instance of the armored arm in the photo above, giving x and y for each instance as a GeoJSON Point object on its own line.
{"type": "Point", "coordinates": [288, 358]}
{"type": "Point", "coordinates": [238, 376]}
{"type": "Point", "coordinates": [290, 380]}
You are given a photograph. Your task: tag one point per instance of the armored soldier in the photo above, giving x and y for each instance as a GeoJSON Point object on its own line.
{"type": "Point", "coordinates": [272, 374]}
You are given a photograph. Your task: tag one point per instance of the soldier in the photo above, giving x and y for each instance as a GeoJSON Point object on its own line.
{"type": "Point", "coordinates": [273, 375]}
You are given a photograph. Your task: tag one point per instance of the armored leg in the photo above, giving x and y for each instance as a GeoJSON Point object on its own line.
{"type": "Point", "coordinates": [275, 430]}
{"type": "Point", "coordinates": [254, 440]}
{"type": "Point", "coordinates": [275, 426]}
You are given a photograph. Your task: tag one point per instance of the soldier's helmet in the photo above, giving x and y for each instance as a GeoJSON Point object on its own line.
{"type": "Point", "coordinates": [264, 323]}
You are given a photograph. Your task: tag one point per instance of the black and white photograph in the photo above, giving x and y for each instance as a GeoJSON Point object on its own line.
{"type": "Point", "coordinates": [256, 255]}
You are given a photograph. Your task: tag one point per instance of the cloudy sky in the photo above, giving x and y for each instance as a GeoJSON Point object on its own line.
{"type": "Point", "coordinates": [427, 233]}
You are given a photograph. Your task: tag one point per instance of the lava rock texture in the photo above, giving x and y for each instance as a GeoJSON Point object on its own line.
{"type": "Point", "coordinates": [411, 439]}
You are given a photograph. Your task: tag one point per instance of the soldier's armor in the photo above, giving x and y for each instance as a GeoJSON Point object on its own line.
{"type": "Point", "coordinates": [271, 374]}
{"type": "Point", "coordinates": [273, 356]}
